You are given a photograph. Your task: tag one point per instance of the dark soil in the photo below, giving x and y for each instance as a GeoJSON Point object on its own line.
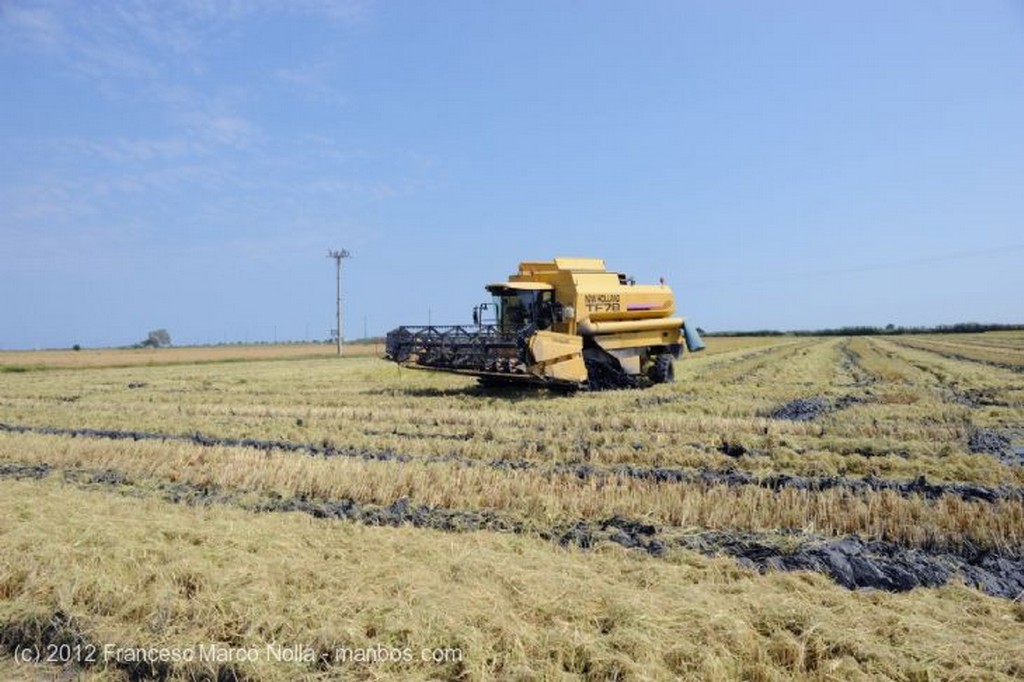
{"type": "Point", "coordinates": [857, 563]}
{"type": "Point", "coordinates": [808, 409]}
{"type": "Point", "coordinates": [661, 475]}
{"type": "Point", "coordinates": [15, 470]}
{"type": "Point", "coordinates": [952, 355]}
{"type": "Point", "coordinates": [850, 561]}
{"type": "Point", "coordinates": [991, 442]}
{"type": "Point", "coordinates": [801, 409]}
{"type": "Point", "coordinates": [851, 363]}
{"type": "Point", "coordinates": [61, 637]}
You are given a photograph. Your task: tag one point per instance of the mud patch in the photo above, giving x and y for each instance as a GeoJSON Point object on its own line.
{"type": "Point", "coordinates": [61, 637]}
{"type": "Point", "coordinates": [17, 471]}
{"type": "Point", "coordinates": [997, 444]}
{"type": "Point", "coordinates": [857, 563]}
{"type": "Point", "coordinates": [628, 533]}
{"type": "Point", "coordinates": [800, 410]}
{"type": "Point", "coordinates": [660, 475]}
{"type": "Point", "coordinates": [37, 632]}
{"type": "Point", "coordinates": [851, 364]}
{"type": "Point", "coordinates": [989, 397]}
{"type": "Point", "coordinates": [919, 486]}
{"type": "Point", "coordinates": [953, 355]}
{"type": "Point", "coordinates": [733, 449]}
{"type": "Point", "coordinates": [399, 513]}
{"type": "Point", "coordinates": [808, 409]}
{"type": "Point", "coordinates": [325, 449]}
{"type": "Point", "coordinates": [850, 561]}
{"type": "Point", "coordinates": [988, 442]}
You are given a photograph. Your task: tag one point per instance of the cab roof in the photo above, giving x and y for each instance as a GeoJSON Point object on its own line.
{"type": "Point", "coordinates": [519, 286]}
{"type": "Point", "coordinates": [562, 264]}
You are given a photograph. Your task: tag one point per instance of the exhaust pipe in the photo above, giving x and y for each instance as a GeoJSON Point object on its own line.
{"type": "Point", "coordinates": [693, 340]}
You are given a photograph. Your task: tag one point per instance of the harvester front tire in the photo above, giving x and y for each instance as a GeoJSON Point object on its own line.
{"type": "Point", "coordinates": [664, 370]}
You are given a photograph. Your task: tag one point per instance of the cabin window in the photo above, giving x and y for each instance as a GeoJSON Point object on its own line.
{"type": "Point", "coordinates": [544, 314]}
{"type": "Point", "coordinates": [518, 308]}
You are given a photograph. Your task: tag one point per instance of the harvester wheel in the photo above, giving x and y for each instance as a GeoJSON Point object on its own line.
{"type": "Point", "coordinates": [663, 371]}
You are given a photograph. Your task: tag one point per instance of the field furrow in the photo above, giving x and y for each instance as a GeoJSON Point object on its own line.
{"type": "Point", "coordinates": [919, 486]}
{"type": "Point", "coordinates": [541, 497]}
{"type": "Point", "coordinates": [888, 564]}
{"type": "Point", "coordinates": [1001, 357]}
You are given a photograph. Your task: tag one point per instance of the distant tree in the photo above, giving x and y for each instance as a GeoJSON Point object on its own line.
{"type": "Point", "coordinates": [157, 339]}
{"type": "Point", "coordinates": [701, 331]}
{"type": "Point", "coordinates": [890, 327]}
{"type": "Point", "coordinates": [76, 347]}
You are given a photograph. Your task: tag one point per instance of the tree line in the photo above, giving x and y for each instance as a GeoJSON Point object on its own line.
{"type": "Point", "coordinates": [864, 330]}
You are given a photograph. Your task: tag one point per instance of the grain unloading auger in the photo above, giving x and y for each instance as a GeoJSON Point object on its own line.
{"type": "Point", "coordinates": [567, 323]}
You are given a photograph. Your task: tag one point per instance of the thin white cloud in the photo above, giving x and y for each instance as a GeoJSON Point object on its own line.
{"type": "Point", "coordinates": [37, 28]}
{"type": "Point", "coordinates": [366, 190]}
{"type": "Point", "coordinates": [43, 201]}
{"type": "Point", "coordinates": [163, 26]}
{"type": "Point", "coordinates": [204, 118]}
{"type": "Point", "coordinates": [156, 181]}
{"type": "Point", "coordinates": [89, 42]}
{"type": "Point", "coordinates": [151, 57]}
{"type": "Point", "coordinates": [142, 150]}
{"type": "Point", "coordinates": [235, 10]}
{"type": "Point", "coordinates": [229, 130]}
{"type": "Point", "coordinates": [122, 150]}
{"type": "Point", "coordinates": [327, 147]}
{"type": "Point", "coordinates": [134, 52]}
{"type": "Point", "coordinates": [149, 41]}
{"type": "Point", "coordinates": [312, 80]}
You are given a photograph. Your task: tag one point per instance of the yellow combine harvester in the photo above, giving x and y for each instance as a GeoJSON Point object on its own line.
{"type": "Point", "coordinates": [567, 323]}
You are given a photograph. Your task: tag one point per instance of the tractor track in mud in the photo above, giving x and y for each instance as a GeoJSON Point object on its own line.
{"type": "Point", "coordinates": [919, 487]}
{"type": "Point", "coordinates": [849, 561]}
{"type": "Point", "coordinates": [952, 355]}
{"type": "Point", "coordinates": [761, 360]}
{"type": "Point", "coordinates": [850, 362]}
{"type": "Point", "coordinates": [997, 443]}
{"type": "Point", "coordinates": [951, 394]}
{"type": "Point", "coordinates": [813, 407]}
{"type": "Point", "coordinates": [718, 364]}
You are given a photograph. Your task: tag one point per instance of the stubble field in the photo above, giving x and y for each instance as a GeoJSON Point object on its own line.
{"type": "Point", "coordinates": [817, 508]}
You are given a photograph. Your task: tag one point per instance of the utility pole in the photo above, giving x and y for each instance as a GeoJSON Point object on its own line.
{"type": "Point", "coordinates": [338, 256]}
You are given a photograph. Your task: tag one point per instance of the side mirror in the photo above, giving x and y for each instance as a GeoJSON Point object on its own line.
{"type": "Point", "coordinates": [563, 313]}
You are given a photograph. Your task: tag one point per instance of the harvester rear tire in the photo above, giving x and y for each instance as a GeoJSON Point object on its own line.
{"type": "Point", "coordinates": [663, 371]}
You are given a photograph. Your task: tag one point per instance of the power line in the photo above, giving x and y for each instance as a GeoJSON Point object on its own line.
{"type": "Point", "coordinates": [338, 256]}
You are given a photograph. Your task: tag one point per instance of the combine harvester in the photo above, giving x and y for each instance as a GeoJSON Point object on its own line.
{"type": "Point", "coordinates": [567, 323]}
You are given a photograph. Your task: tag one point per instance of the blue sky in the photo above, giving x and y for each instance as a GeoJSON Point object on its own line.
{"type": "Point", "coordinates": [188, 164]}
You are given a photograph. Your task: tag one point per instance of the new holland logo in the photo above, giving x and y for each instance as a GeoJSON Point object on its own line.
{"type": "Point", "coordinates": [602, 303]}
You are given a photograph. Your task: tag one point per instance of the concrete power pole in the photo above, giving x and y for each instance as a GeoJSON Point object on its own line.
{"type": "Point", "coordinates": [338, 256]}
